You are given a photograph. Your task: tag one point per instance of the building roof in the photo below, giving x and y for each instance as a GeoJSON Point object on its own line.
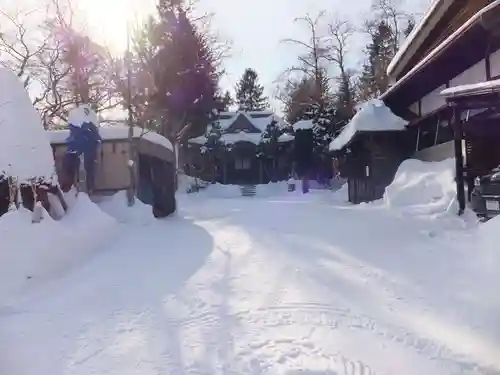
{"type": "Point", "coordinates": [372, 116]}
{"type": "Point", "coordinates": [470, 35]}
{"type": "Point", "coordinates": [259, 119]}
{"type": "Point", "coordinates": [435, 11]}
{"type": "Point", "coordinates": [479, 88]}
{"type": "Point", "coordinates": [115, 132]}
{"type": "Point", "coordinates": [233, 134]}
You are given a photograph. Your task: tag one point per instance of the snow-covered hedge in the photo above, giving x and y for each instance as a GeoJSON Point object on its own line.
{"type": "Point", "coordinates": [25, 151]}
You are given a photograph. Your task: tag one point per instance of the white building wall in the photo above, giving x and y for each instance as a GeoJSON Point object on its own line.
{"type": "Point", "coordinates": [495, 64]}
{"type": "Point", "coordinates": [433, 101]}
{"type": "Point", "coordinates": [476, 73]}
{"type": "Point", "coordinates": [436, 153]}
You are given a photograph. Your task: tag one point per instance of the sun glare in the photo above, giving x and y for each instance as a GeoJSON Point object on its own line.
{"type": "Point", "coordinates": [107, 20]}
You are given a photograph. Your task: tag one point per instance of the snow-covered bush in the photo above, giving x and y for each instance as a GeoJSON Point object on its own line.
{"type": "Point", "coordinates": [26, 157]}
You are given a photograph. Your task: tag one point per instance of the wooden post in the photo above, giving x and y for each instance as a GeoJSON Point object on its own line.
{"type": "Point", "coordinates": [459, 158]}
{"type": "Point", "coordinates": [261, 177]}
{"type": "Point", "coordinates": [131, 144]}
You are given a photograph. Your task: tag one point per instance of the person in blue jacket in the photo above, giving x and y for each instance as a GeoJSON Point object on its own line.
{"type": "Point", "coordinates": [83, 139]}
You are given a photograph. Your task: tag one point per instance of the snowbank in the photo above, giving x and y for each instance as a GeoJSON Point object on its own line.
{"type": "Point", "coordinates": [117, 207]}
{"type": "Point", "coordinates": [30, 254]}
{"type": "Point", "coordinates": [373, 115]}
{"type": "Point", "coordinates": [426, 189]}
{"type": "Point", "coordinates": [25, 150]}
{"type": "Point", "coordinates": [217, 190]}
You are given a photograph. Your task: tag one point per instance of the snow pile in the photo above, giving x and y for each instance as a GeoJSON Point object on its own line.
{"type": "Point", "coordinates": [117, 207]}
{"type": "Point", "coordinates": [30, 253]}
{"type": "Point", "coordinates": [81, 115]}
{"type": "Point", "coordinates": [25, 150]}
{"type": "Point", "coordinates": [186, 184]}
{"type": "Point", "coordinates": [425, 189]}
{"type": "Point", "coordinates": [373, 115]}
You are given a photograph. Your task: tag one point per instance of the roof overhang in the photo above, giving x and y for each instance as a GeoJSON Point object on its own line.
{"type": "Point", "coordinates": [461, 50]}
{"type": "Point", "coordinates": [418, 35]}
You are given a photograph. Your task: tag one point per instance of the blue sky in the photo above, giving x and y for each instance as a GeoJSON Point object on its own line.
{"type": "Point", "coordinates": [254, 28]}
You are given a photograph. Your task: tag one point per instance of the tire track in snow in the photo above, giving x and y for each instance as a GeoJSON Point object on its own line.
{"type": "Point", "coordinates": [316, 315]}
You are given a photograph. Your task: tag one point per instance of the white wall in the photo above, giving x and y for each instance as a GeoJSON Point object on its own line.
{"type": "Point", "coordinates": [433, 101]}
{"type": "Point", "coordinates": [436, 153]}
{"type": "Point", "coordinates": [495, 63]}
{"type": "Point", "coordinates": [476, 73]}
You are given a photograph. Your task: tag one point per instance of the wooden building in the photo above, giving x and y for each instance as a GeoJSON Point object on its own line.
{"type": "Point", "coordinates": [241, 163]}
{"type": "Point", "coordinates": [152, 157]}
{"type": "Point", "coordinates": [456, 43]}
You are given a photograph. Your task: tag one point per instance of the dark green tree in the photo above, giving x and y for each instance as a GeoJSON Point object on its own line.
{"type": "Point", "coordinates": [249, 93]}
{"type": "Point", "coordinates": [374, 80]}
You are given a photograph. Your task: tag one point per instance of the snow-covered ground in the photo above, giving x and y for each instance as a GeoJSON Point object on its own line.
{"type": "Point", "coordinates": [281, 283]}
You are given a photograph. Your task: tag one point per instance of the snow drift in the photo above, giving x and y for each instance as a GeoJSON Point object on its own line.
{"type": "Point", "coordinates": [25, 150]}
{"type": "Point", "coordinates": [423, 187]}
{"type": "Point", "coordinates": [30, 253]}
{"type": "Point", "coordinates": [427, 190]}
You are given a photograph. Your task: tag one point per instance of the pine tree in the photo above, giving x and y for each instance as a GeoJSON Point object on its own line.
{"type": "Point", "coordinates": [249, 93]}
{"type": "Point", "coordinates": [214, 148]}
{"type": "Point", "coordinates": [409, 27]}
{"type": "Point", "coordinates": [185, 78]}
{"type": "Point", "coordinates": [374, 80]}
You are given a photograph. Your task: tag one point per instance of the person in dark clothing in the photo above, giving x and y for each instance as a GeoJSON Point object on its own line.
{"type": "Point", "coordinates": [84, 139]}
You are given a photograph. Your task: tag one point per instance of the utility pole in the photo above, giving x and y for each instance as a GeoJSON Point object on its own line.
{"type": "Point", "coordinates": [131, 162]}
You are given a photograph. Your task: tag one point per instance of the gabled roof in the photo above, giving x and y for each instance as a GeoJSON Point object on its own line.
{"type": "Point", "coordinates": [259, 119]}
{"type": "Point", "coordinates": [373, 116]}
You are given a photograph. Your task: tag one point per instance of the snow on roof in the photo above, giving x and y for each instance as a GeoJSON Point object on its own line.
{"type": "Point", "coordinates": [374, 115]}
{"type": "Point", "coordinates": [25, 150]}
{"type": "Point", "coordinates": [441, 47]}
{"type": "Point", "coordinates": [259, 119]}
{"type": "Point", "coordinates": [113, 132]}
{"type": "Point", "coordinates": [412, 37]}
{"type": "Point", "coordinates": [81, 115]}
{"type": "Point", "coordinates": [232, 138]}
{"type": "Point", "coordinates": [286, 137]}
{"type": "Point", "coordinates": [303, 125]}
{"type": "Point", "coordinates": [472, 89]}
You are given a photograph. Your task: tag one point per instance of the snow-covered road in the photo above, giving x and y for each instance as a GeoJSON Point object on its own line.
{"type": "Point", "coordinates": [264, 286]}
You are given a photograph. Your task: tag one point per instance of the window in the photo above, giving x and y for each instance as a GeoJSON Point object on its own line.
{"type": "Point", "coordinates": [427, 134]}
{"type": "Point", "coordinates": [242, 163]}
{"type": "Point", "coordinates": [444, 132]}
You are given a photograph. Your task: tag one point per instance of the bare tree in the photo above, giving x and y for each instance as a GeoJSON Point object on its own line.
{"type": "Point", "coordinates": [341, 33]}
{"type": "Point", "coordinates": [393, 13]}
{"type": "Point", "coordinates": [316, 52]}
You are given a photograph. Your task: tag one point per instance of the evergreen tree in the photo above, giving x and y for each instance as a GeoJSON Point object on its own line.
{"type": "Point", "coordinates": [269, 145]}
{"type": "Point", "coordinates": [409, 27]}
{"type": "Point", "coordinates": [374, 80]}
{"type": "Point", "coordinates": [249, 93]}
{"type": "Point", "coordinates": [214, 148]}
{"type": "Point", "coordinates": [185, 78]}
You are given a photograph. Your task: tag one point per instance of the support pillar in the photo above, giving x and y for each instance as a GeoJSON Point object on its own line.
{"type": "Point", "coordinates": [459, 159]}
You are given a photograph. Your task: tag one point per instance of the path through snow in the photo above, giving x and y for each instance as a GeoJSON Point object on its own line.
{"type": "Point", "coordinates": [264, 286]}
